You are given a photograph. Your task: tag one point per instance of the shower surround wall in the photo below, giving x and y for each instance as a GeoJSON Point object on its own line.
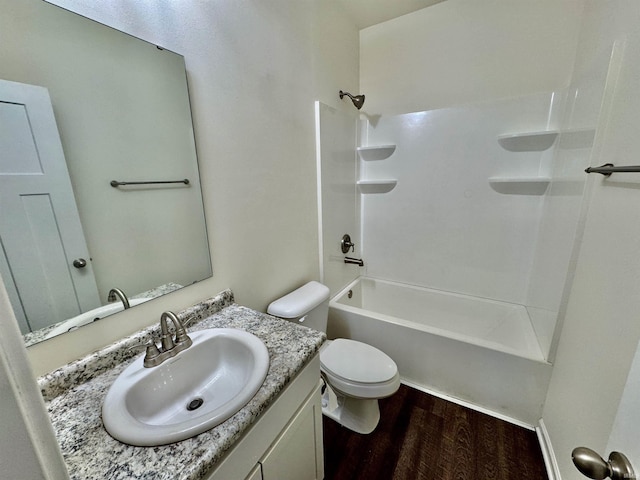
{"type": "Point", "coordinates": [472, 217]}
{"type": "Point", "coordinates": [470, 214]}
{"type": "Point", "coordinates": [443, 226]}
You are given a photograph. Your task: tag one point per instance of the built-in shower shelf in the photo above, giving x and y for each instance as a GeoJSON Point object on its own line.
{"type": "Point", "coordinates": [520, 185]}
{"type": "Point", "coordinates": [528, 142]}
{"type": "Point", "coordinates": [376, 186]}
{"type": "Point", "coordinates": [378, 152]}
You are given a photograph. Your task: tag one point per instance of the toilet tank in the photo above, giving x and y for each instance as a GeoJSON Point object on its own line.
{"type": "Point", "coordinates": [308, 305]}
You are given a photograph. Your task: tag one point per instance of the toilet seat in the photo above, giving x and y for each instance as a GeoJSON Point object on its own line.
{"type": "Point", "coordinates": [359, 370]}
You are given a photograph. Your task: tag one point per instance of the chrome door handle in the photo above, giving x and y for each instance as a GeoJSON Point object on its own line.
{"type": "Point", "coordinates": [593, 465]}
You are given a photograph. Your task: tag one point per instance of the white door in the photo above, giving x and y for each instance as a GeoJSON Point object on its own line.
{"type": "Point", "coordinates": [40, 231]}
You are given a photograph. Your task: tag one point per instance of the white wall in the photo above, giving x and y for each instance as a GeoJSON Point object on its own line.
{"type": "Point", "coordinates": [28, 447]}
{"type": "Point", "coordinates": [255, 70]}
{"type": "Point", "coordinates": [601, 330]}
{"type": "Point", "coordinates": [463, 51]}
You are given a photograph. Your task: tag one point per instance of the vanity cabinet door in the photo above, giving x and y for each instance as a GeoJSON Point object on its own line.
{"type": "Point", "coordinates": [297, 453]}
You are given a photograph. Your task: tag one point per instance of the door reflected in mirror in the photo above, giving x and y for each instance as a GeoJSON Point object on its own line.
{"type": "Point", "coordinates": [83, 105]}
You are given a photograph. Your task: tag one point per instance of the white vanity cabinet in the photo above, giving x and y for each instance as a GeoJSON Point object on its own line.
{"type": "Point", "coordinates": [285, 443]}
{"type": "Point", "coordinates": [297, 452]}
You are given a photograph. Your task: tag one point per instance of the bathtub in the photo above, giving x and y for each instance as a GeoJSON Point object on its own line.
{"type": "Point", "coordinates": [479, 351]}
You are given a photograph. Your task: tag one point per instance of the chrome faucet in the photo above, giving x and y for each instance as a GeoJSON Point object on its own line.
{"type": "Point", "coordinates": [169, 346]}
{"type": "Point", "coordinates": [115, 294]}
{"type": "Point", "coordinates": [355, 261]}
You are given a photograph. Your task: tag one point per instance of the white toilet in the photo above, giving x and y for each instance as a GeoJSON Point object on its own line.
{"type": "Point", "coordinates": [357, 374]}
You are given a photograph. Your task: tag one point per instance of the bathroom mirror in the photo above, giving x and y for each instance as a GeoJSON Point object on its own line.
{"type": "Point", "coordinates": [122, 112]}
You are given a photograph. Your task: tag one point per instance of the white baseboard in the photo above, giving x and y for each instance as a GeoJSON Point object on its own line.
{"type": "Point", "coordinates": [469, 405]}
{"type": "Point", "coordinates": [550, 461]}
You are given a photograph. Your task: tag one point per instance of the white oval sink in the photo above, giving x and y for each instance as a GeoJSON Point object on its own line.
{"type": "Point", "coordinates": [218, 375]}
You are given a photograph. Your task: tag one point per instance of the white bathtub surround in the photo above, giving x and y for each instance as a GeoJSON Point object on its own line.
{"type": "Point", "coordinates": [444, 226]}
{"type": "Point", "coordinates": [477, 350]}
{"type": "Point", "coordinates": [487, 200]}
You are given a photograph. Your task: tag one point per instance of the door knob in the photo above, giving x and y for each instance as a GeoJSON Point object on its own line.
{"type": "Point", "coordinates": [594, 466]}
{"type": "Point", "coordinates": [79, 263]}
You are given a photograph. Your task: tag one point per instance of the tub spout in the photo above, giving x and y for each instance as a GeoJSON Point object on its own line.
{"type": "Point", "coordinates": [355, 261]}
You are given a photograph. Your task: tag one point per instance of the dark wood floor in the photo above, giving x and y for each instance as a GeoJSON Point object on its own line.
{"type": "Point", "coordinates": [423, 437]}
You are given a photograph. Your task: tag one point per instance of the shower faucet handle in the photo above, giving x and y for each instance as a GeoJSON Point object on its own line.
{"type": "Point", "coordinates": [346, 244]}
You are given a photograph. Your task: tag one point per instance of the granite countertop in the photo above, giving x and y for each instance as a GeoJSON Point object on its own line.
{"type": "Point", "coordinates": [74, 395]}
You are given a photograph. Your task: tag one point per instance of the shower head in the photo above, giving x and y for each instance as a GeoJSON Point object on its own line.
{"type": "Point", "coordinates": [358, 100]}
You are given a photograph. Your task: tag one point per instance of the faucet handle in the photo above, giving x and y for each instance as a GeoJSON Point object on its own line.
{"type": "Point", "coordinates": [152, 350]}
{"type": "Point", "coordinates": [182, 338]}
{"type": "Point", "coordinates": [346, 244]}
{"type": "Point", "coordinates": [151, 353]}
{"type": "Point", "coordinates": [187, 321]}
{"type": "Point", "coordinates": [146, 343]}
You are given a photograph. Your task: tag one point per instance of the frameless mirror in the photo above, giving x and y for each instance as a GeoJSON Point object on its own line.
{"type": "Point", "coordinates": [82, 106]}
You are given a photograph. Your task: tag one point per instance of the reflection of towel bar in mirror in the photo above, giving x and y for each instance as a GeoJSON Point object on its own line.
{"type": "Point", "coordinates": [115, 183]}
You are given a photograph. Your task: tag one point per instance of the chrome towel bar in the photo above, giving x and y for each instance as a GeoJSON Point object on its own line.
{"type": "Point", "coordinates": [115, 183]}
{"type": "Point", "coordinates": [609, 168]}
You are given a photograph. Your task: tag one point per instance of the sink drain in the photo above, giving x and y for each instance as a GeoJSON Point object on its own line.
{"type": "Point", "coordinates": [195, 404]}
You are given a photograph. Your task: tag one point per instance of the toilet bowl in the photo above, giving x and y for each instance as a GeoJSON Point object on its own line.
{"type": "Point", "coordinates": [356, 375]}
{"type": "Point", "coordinates": [358, 370]}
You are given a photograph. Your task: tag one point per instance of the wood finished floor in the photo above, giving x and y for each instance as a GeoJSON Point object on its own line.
{"type": "Point", "coordinates": [423, 437]}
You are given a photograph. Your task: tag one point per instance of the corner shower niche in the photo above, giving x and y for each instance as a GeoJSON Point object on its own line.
{"type": "Point", "coordinates": [371, 154]}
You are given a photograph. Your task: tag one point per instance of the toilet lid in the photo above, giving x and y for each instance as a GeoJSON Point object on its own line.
{"type": "Point", "coordinates": [357, 362]}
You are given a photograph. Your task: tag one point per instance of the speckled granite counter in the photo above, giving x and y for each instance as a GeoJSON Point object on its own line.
{"type": "Point", "coordinates": [74, 396]}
